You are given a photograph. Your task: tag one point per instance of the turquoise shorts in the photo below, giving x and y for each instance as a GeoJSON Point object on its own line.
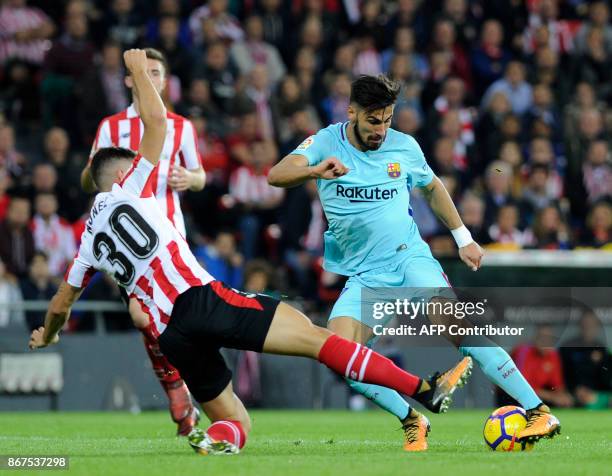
{"type": "Point", "coordinates": [423, 274]}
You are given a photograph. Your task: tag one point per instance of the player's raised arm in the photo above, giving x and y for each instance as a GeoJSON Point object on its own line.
{"type": "Point", "coordinates": [151, 107]}
{"type": "Point", "coordinates": [442, 204]}
{"type": "Point", "coordinates": [57, 315]}
{"type": "Point", "coordinates": [294, 170]}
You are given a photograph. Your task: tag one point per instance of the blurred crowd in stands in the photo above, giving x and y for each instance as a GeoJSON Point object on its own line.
{"type": "Point", "coordinates": [510, 101]}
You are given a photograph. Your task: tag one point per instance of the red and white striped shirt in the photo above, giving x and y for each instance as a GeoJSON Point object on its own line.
{"type": "Point", "coordinates": [55, 238]}
{"type": "Point", "coordinates": [17, 19]}
{"type": "Point", "coordinates": [128, 236]}
{"type": "Point", "coordinates": [125, 129]}
{"type": "Point", "coordinates": [249, 186]}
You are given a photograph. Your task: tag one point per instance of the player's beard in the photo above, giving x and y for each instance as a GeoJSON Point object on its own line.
{"type": "Point", "coordinates": [363, 143]}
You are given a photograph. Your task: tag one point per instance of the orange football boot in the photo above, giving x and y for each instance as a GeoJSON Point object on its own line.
{"type": "Point", "coordinates": [439, 397]}
{"type": "Point", "coordinates": [415, 433]}
{"type": "Point", "coordinates": [540, 424]}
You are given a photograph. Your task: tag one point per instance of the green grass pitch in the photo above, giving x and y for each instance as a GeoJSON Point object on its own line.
{"type": "Point", "coordinates": [334, 443]}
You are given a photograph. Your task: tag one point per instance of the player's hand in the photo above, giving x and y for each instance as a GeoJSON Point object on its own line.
{"type": "Point", "coordinates": [329, 169]}
{"type": "Point", "coordinates": [179, 178]}
{"type": "Point", "coordinates": [37, 341]}
{"type": "Point", "coordinates": [471, 255]}
{"type": "Point", "coordinates": [135, 60]}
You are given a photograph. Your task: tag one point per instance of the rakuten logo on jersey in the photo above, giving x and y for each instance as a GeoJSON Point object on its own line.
{"type": "Point", "coordinates": [363, 194]}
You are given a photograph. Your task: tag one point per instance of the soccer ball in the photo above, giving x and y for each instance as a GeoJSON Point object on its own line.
{"type": "Point", "coordinates": [502, 427]}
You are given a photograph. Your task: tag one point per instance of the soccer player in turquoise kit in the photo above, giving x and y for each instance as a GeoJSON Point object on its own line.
{"type": "Point", "coordinates": [365, 171]}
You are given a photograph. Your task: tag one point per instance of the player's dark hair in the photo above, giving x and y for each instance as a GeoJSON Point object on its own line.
{"type": "Point", "coordinates": [105, 156]}
{"type": "Point", "coordinates": [374, 92]}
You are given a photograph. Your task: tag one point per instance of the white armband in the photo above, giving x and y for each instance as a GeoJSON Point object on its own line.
{"type": "Point", "coordinates": [462, 236]}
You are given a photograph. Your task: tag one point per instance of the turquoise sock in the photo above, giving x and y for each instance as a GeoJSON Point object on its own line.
{"type": "Point", "coordinates": [501, 370]}
{"type": "Point", "coordinates": [384, 397]}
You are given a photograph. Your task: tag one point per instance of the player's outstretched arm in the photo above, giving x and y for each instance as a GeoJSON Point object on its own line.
{"type": "Point", "coordinates": [294, 170]}
{"type": "Point", "coordinates": [151, 107]}
{"type": "Point", "coordinates": [444, 208]}
{"type": "Point", "coordinates": [57, 315]}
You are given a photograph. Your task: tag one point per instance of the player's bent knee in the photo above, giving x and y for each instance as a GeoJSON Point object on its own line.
{"type": "Point", "coordinates": [226, 406]}
{"type": "Point", "coordinates": [312, 338]}
{"type": "Point", "coordinates": [319, 336]}
{"type": "Point", "coordinates": [292, 333]}
{"type": "Point", "coordinates": [349, 328]}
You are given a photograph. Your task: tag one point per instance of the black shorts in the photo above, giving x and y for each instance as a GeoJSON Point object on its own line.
{"type": "Point", "coordinates": [206, 318]}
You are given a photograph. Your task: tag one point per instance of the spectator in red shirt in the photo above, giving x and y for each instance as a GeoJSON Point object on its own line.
{"type": "Point", "coordinates": [5, 199]}
{"type": "Point", "coordinates": [546, 13]}
{"type": "Point", "coordinates": [25, 31]}
{"type": "Point", "coordinates": [216, 162]}
{"type": "Point", "coordinates": [540, 363]}
{"type": "Point", "coordinates": [444, 40]}
{"type": "Point", "coordinates": [257, 200]}
{"type": "Point", "coordinates": [226, 26]}
{"type": "Point", "coordinates": [52, 235]}
{"type": "Point", "coordinates": [240, 143]}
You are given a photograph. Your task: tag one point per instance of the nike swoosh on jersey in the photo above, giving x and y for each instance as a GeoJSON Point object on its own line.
{"type": "Point", "coordinates": [502, 365]}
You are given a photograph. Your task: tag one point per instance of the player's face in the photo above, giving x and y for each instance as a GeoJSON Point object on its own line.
{"type": "Point", "coordinates": [371, 126]}
{"type": "Point", "coordinates": [156, 72]}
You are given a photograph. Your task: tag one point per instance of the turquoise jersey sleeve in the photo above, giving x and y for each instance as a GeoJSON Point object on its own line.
{"type": "Point", "coordinates": [422, 175]}
{"type": "Point", "coordinates": [316, 148]}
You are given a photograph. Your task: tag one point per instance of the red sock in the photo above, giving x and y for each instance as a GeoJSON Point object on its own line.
{"type": "Point", "coordinates": [359, 363]}
{"type": "Point", "coordinates": [227, 430]}
{"type": "Point", "coordinates": [165, 371]}
{"type": "Point", "coordinates": [179, 399]}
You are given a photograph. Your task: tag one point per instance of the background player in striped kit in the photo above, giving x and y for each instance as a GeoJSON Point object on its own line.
{"type": "Point", "coordinates": [179, 169]}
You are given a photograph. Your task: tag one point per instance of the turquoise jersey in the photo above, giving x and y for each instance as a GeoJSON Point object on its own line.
{"type": "Point", "coordinates": [368, 209]}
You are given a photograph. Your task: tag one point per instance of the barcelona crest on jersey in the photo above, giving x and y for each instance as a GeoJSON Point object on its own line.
{"type": "Point", "coordinates": [393, 169]}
